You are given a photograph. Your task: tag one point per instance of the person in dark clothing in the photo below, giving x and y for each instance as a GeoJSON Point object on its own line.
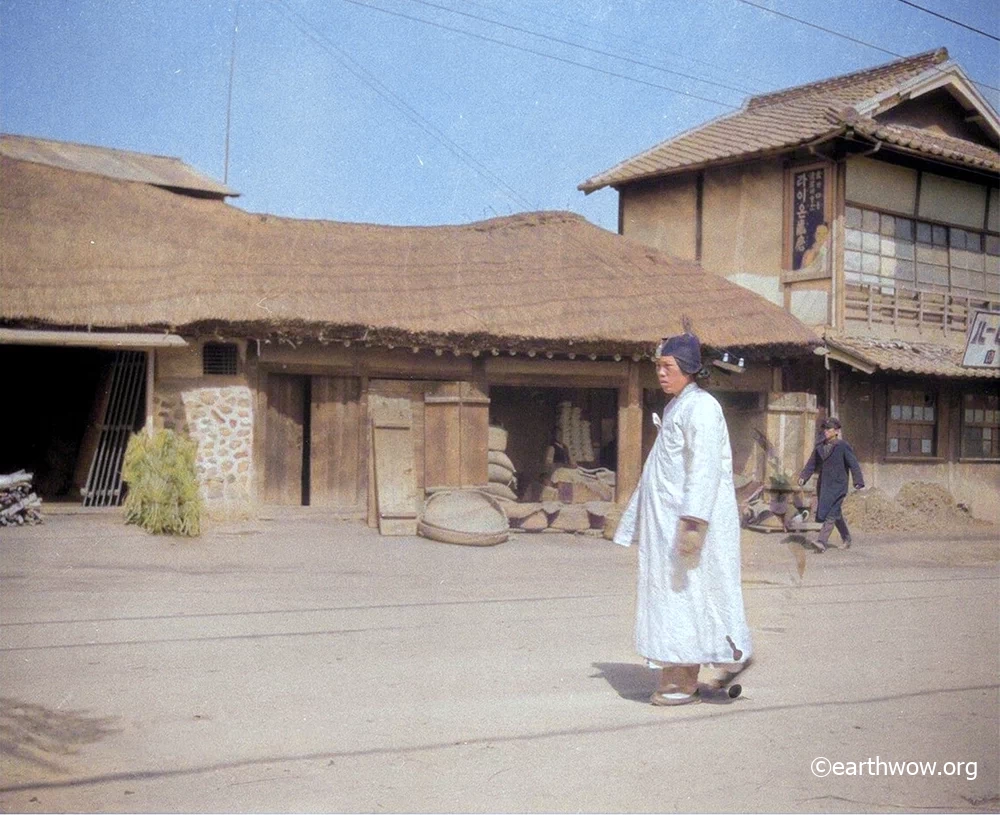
{"type": "Point", "coordinates": [832, 458]}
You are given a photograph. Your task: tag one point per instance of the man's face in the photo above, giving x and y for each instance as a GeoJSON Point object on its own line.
{"type": "Point", "coordinates": [672, 379]}
{"type": "Point", "coordinates": [829, 433]}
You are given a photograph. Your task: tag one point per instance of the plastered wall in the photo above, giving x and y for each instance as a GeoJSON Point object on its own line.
{"type": "Point", "coordinates": [662, 215]}
{"type": "Point", "coordinates": [742, 226]}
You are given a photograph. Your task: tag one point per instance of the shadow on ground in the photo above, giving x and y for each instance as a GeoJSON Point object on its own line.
{"type": "Point", "coordinates": [630, 681]}
{"type": "Point", "coordinates": [37, 735]}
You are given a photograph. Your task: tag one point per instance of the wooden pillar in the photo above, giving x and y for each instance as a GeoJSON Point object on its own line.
{"type": "Point", "coordinates": [629, 434]}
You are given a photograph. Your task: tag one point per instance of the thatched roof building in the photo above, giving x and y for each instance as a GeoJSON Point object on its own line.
{"type": "Point", "coordinates": [83, 250]}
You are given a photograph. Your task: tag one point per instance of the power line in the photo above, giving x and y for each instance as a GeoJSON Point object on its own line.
{"type": "Point", "coordinates": [839, 34]}
{"type": "Point", "coordinates": [611, 54]}
{"type": "Point", "coordinates": [542, 54]}
{"type": "Point", "coordinates": [644, 46]}
{"type": "Point", "coordinates": [351, 65]}
{"type": "Point", "coordinates": [950, 20]}
{"type": "Point", "coordinates": [304, 27]}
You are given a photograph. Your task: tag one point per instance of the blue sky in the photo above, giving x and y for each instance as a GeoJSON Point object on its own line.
{"type": "Point", "coordinates": [383, 111]}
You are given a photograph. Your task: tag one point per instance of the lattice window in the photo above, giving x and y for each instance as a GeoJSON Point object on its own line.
{"type": "Point", "coordinates": [980, 425]}
{"type": "Point", "coordinates": [219, 358]}
{"type": "Point", "coordinates": [883, 250]}
{"type": "Point", "coordinates": [912, 426]}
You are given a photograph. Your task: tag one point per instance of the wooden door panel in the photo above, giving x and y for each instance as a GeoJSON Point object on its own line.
{"type": "Point", "coordinates": [442, 434]}
{"type": "Point", "coordinates": [335, 449]}
{"type": "Point", "coordinates": [284, 440]}
{"type": "Point", "coordinates": [475, 435]}
{"type": "Point", "coordinates": [456, 434]}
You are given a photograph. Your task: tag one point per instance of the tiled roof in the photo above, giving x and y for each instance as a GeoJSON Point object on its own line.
{"type": "Point", "coordinates": [925, 358]}
{"type": "Point", "coordinates": [776, 122]}
{"type": "Point", "coordinates": [935, 144]}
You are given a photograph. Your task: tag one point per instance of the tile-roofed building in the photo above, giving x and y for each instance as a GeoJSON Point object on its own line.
{"type": "Point", "coordinates": [776, 122]}
{"type": "Point", "coordinates": [867, 205]}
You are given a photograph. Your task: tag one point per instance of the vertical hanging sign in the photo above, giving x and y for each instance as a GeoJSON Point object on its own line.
{"type": "Point", "coordinates": [810, 230]}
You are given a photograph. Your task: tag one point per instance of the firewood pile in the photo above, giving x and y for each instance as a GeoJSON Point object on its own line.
{"type": "Point", "coordinates": [19, 504]}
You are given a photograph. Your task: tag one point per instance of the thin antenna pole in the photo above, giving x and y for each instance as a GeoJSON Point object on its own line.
{"type": "Point", "coordinates": [229, 101]}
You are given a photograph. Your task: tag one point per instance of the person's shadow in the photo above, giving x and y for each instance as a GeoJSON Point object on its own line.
{"type": "Point", "coordinates": [631, 681]}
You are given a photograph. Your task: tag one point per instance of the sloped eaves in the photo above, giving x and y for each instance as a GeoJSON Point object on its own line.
{"type": "Point", "coordinates": [80, 250]}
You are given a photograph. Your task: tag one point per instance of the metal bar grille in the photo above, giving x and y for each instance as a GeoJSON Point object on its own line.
{"type": "Point", "coordinates": [121, 417]}
{"type": "Point", "coordinates": [219, 358]}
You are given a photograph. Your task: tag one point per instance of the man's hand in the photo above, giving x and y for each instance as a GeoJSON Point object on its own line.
{"type": "Point", "coordinates": [691, 535]}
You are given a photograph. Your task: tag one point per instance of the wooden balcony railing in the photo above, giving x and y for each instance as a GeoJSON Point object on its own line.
{"type": "Point", "coordinates": [903, 307]}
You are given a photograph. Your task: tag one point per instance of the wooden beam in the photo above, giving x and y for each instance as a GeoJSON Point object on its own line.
{"type": "Point", "coordinates": [629, 467]}
{"type": "Point", "coordinates": [89, 339]}
{"type": "Point", "coordinates": [500, 370]}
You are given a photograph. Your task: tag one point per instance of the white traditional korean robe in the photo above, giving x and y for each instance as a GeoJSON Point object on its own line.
{"type": "Point", "coordinates": [688, 609]}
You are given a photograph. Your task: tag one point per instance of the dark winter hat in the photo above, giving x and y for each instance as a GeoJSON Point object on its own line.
{"type": "Point", "coordinates": [832, 422]}
{"type": "Point", "coordinates": [684, 348]}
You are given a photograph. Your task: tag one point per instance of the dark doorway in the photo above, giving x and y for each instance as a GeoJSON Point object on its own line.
{"type": "Point", "coordinates": [531, 416]}
{"type": "Point", "coordinates": [49, 420]}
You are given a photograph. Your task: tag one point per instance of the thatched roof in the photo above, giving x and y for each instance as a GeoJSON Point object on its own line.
{"type": "Point", "coordinates": [82, 250]}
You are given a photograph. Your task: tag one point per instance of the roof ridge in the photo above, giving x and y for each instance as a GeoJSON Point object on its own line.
{"type": "Point", "coordinates": [771, 123]}
{"type": "Point", "coordinates": [88, 146]}
{"type": "Point", "coordinates": [933, 57]}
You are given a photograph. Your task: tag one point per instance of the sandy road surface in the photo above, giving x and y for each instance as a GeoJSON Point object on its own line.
{"type": "Point", "coordinates": [308, 665]}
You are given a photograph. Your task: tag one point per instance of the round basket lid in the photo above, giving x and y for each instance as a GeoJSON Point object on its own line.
{"type": "Point", "coordinates": [465, 511]}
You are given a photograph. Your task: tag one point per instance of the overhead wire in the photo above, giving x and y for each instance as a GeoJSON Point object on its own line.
{"type": "Point", "coordinates": [606, 32]}
{"type": "Point", "coordinates": [949, 19]}
{"type": "Point", "coordinates": [452, 146]}
{"type": "Point", "coordinates": [551, 38]}
{"type": "Point", "coordinates": [842, 36]}
{"type": "Point", "coordinates": [306, 28]}
{"type": "Point", "coordinates": [309, 30]}
{"type": "Point", "coordinates": [542, 54]}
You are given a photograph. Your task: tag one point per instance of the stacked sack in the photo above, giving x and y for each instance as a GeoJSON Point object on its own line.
{"type": "Point", "coordinates": [502, 475]}
{"type": "Point", "coordinates": [575, 432]}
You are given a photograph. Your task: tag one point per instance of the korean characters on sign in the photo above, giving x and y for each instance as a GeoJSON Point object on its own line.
{"type": "Point", "coordinates": [809, 228]}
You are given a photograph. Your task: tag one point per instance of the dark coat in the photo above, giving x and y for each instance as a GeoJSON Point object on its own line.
{"type": "Point", "coordinates": [832, 461]}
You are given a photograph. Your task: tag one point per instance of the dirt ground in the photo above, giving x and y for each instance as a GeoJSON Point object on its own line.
{"type": "Point", "coordinates": [919, 506]}
{"type": "Point", "coordinates": [300, 664]}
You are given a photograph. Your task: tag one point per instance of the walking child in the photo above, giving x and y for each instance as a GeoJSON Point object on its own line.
{"type": "Point", "coordinates": [832, 458]}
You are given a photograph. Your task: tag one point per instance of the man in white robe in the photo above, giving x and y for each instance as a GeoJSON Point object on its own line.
{"type": "Point", "coordinates": [683, 514]}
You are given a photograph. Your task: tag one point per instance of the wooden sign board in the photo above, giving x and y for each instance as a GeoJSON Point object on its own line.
{"type": "Point", "coordinates": [982, 347]}
{"type": "Point", "coordinates": [395, 471]}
